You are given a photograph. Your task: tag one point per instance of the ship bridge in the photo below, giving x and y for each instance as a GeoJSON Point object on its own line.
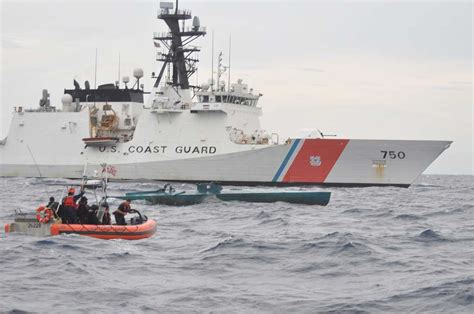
{"type": "Point", "coordinates": [238, 94]}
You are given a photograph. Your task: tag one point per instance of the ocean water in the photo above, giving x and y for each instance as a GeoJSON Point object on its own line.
{"type": "Point", "coordinates": [370, 250]}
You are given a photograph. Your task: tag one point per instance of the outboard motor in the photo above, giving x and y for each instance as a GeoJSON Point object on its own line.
{"type": "Point", "coordinates": [138, 220]}
{"type": "Point", "coordinates": [209, 188]}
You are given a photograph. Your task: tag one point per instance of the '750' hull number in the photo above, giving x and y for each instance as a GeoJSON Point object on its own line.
{"type": "Point", "coordinates": [392, 154]}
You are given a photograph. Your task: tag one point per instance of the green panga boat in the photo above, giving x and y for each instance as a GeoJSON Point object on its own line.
{"type": "Point", "coordinates": [169, 196]}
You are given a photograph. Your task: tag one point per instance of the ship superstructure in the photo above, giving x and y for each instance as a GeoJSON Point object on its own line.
{"type": "Point", "coordinates": [181, 132]}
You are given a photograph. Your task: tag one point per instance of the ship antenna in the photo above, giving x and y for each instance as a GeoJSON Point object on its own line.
{"type": "Point", "coordinates": [39, 171]}
{"type": "Point", "coordinates": [95, 71]}
{"type": "Point", "coordinates": [179, 58]}
{"type": "Point", "coordinates": [118, 79]}
{"type": "Point", "coordinates": [212, 63]}
{"type": "Point", "coordinates": [228, 73]}
{"type": "Point", "coordinates": [95, 75]}
{"type": "Point", "coordinates": [84, 176]}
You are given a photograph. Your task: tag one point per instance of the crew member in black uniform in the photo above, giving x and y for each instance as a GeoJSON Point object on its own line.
{"type": "Point", "coordinates": [106, 218]}
{"type": "Point", "coordinates": [54, 206]}
{"type": "Point", "coordinates": [83, 211]}
{"type": "Point", "coordinates": [92, 215]}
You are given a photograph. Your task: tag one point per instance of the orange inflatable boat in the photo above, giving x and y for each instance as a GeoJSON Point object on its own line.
{"type": "Point", "coordinates": [47, 219]}
{"type": "Point", "coordinates": [31, 226]}
{"type": "Point", "coordinates": [133, 232]}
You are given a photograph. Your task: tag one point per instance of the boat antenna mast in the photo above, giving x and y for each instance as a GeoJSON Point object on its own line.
{"type": "Point", "coordinates": [179, 54]}
{"type": "Point", "coordinates": [221, 69]}
{"type": "Point", "coordinates": [228, 69]}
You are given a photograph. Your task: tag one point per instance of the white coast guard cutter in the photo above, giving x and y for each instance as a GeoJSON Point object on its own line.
{"type": "Point", "coordinates": [192, 133]}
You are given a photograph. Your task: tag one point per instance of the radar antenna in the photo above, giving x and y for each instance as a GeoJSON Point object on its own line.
{"type": "Point", "coordinates": [179, 54]}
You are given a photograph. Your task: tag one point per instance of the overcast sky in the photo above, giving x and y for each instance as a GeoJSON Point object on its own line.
{"type": "Point", "coordinates": [372, 70]}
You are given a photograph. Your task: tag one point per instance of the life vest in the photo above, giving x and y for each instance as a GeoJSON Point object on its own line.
{"type": "Point", "coordinates": [69, 201]}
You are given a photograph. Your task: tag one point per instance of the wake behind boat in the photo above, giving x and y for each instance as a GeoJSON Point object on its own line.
{"type": "Point", "coordinates": [205, 133]}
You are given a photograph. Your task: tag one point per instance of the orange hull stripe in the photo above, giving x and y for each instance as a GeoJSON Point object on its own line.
{"type": "Point", "coordinates": [315, 160]}
{"type": "Point", "coordinates": [108, 231]}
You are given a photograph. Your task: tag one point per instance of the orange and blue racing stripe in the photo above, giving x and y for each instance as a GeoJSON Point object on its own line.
{"type": "Point", "coordinates": [310, 160]}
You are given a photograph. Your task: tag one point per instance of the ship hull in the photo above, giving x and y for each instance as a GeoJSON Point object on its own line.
{"type": "Point", "coordinates": [331, 162]}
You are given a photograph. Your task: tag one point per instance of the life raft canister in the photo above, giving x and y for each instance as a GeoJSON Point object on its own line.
{"type": "Point", "coordinates": [48, 213]}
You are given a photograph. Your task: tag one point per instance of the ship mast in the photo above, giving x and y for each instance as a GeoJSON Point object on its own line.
{"type": "Point", "coordinates": [179, 54]}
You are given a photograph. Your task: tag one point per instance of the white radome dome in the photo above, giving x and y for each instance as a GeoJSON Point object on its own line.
{"type": "Point", "coordinates": [138, 73]}
{"type": "Point", "coordinates": [66, 99]}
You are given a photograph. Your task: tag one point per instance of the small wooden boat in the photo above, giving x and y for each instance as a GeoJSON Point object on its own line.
{"type": "Point", "coordinates": [168, 196]}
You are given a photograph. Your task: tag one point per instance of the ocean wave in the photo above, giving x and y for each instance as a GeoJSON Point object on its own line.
{"type": "Point", "coordinates": [263, 215]}
{"type": "Point", "coordinates": [17, 311]}
{"type": "Point", "coordinates": [354, 249]}
{"type": "Point", "coordinates": [427, 185]}
{"type": "Point", "coordinates": [408, 217]}
{"type": "Point", "coordinates": [45, 242]}
{"type": "Point", "coordinates": [447, 297]}
{"type": "Point", "coordinates": [449, 211]}
{"type": "Point", "coordinates": [278, 221]}
{"type": "Point", "coordinates": [429, 235]}
{"type": "Point", "coordinates": [357, 210]}
{"type": "Point", "coordinates": [233, 243]}
{"type": "Point", "coordinates": [226, 243]}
